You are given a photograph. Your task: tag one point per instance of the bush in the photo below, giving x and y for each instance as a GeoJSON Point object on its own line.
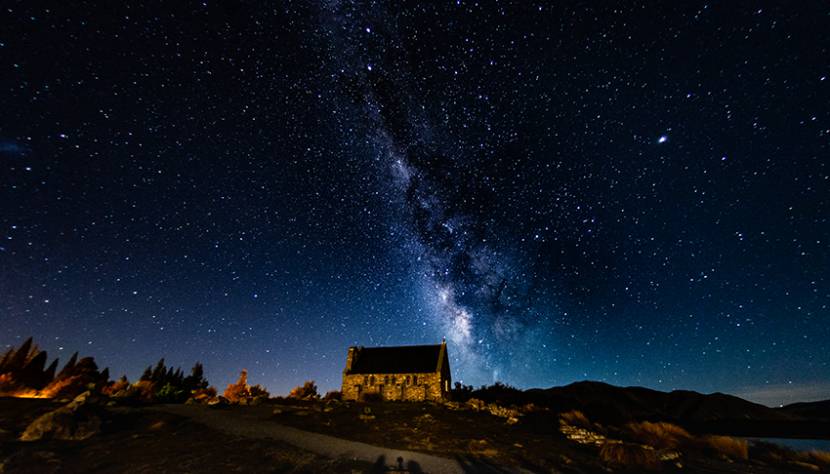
{"type": "Point", "coordinates": [461, 393]}
{"type": "Point", "coordinates": [202, 395]}
{"type": "Point", "coordinates": [629, 456]}
{"type": "Point", "coordinates": [307, 391]}
{"type": "Point", "coordinates": [170, 393]}
{"type": "Point", "coordinates": [371, 397]}
{"type": "Point", "coordinates": [239, 390]}
{"type": "Point", "coordinates": [117, 388]}
{"type": "Point", "coordinates": [659, 435]}
{"type": "Point", "coordinates": [332, 396]}
{"type": "Point", "coordinates": [168, 385]}
{"type": "Point", "coordinates": [733, 448]}
{"type": "Point", "coordinates": [242, 393]}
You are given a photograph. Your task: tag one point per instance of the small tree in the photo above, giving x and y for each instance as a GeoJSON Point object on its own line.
{"type": "Point", "coordinates": [307, 391]}
{"type": "Point", "coordinates": [241, 392]}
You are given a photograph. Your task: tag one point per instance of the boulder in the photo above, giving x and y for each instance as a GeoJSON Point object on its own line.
{"type": "Point", "coordinates": [77, 420]}
{"type": "Point", "coordinates": [476, 404]}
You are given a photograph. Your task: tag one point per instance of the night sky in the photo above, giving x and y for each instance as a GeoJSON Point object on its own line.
{"type": "Point", "coordinates": [637, 194]}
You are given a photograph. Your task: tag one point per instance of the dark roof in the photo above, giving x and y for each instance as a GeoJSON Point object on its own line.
{"type": "Point", "coordinates": [395, 360]}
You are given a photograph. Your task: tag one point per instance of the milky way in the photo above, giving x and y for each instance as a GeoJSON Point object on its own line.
{"type": "Point", "coordinates": [475, 286]}
{"type": "Point", "coordinates": [635, 193]}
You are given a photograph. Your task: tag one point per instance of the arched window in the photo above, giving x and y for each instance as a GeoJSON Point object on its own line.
{"type": "Point", "coordinates": [371, 380]}
{"type": "Point", "coordinates": [386, 379]}
{"type": "Point", "coordinates": [407, 380]}
{"type": "Point", "coordinates": [393, 379]}
{"type": "Point", "coordinates": [414, 380]}
{"type": "Point", "coordinates": [365, 380]}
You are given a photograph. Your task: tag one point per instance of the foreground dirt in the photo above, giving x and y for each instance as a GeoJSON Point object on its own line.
{"type": "Point", "coordinates": [138, 440]}
{"type": "Point", "coordinates": [258, 439]}
{"type": "Point", "coordinates": [480, 441]}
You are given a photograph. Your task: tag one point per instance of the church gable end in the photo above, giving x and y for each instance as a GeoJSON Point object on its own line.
{"type": "Point", "coordinates": [409, 373]}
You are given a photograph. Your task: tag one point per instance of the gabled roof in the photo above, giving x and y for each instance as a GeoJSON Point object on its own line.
{"type": "Point", "coordinates": [396, 360]}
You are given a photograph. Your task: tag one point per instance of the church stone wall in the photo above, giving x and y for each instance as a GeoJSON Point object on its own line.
{"type": "Point", "coordinates": [428, 386]}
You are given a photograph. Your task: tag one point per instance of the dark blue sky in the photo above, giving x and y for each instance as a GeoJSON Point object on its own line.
{"type": "Point", "coordinates": [636, 194]}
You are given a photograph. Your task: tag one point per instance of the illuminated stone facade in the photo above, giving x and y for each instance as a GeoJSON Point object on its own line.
{"type": "Point", "coordinates": [405, 373]}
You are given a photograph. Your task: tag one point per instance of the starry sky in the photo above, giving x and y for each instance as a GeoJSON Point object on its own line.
{"type": "Point", "coordinates": [631, 192]}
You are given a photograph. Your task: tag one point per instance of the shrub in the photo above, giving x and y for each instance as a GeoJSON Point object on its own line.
{"type": "Point", "coordinates": [371, 397]}
{"type": "Point", "coordinates": [461, 393]}
{"type": "Point", "coordinates": [333, 395]}
{"type": "Point", "coordinates": [307, 391]}
{"type": "Point", "coordinates": [203, 394]}
{"type": "Point", "coordinates": [117, 388]}
{"type": "Point", "coordinates": [733, 448]}
{"type": "Point", "coordinates": [659, 435]}
{"type": "Point", "coordinates": [143, 390]}
{"type": "Point", "coordinates": [242, 393]}
{"type": "Point", "coordinates": [239, 390]}
{"type": "Point", "coordinates": [258, 391]}
{"type": "Point", "coordinates": [629, 456]}
{"type": "Point", "coordinates": [170, 393]}
{"type": "Point", "coordinates": [500, 393]}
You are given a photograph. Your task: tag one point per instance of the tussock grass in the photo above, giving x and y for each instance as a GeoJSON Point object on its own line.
{"type": "Point", "coordinates": [659, 435]}
{"type": "Point", "coordinates": [815, 456]}
{"type": "Point", "coordinates": [633, 457]}
{"type": "Point", "coordinates": [788, 458]}
{"type": "Point", "coordinates": [576, 418]}
{"type": "Point", "coordinates": [733, 448]}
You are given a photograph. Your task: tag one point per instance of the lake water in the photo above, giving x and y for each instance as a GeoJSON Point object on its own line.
{"type": "Point", "coordinates": [798, 444]}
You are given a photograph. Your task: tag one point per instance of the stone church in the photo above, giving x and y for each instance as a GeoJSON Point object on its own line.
{"type": "Point", "coordinates": [410, 373]}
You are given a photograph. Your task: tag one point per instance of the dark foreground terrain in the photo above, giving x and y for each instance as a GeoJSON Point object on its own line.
{"type": "Point", "coordinates": [198, 438]}
{"type": "Point", "coordinates": [142, 440]}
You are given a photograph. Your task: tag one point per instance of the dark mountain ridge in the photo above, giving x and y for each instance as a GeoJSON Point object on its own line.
{"type": "Point", "coordinates": [712, 413]}
{"type": "Point", "coordinates": [810, 410]}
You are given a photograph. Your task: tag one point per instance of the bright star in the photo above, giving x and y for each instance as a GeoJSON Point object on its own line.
{"type": "Point", "coordinates": [663, 139]}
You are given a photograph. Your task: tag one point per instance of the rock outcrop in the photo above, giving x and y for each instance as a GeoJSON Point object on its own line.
{"type": "Point", "coordinates": [77, 420]}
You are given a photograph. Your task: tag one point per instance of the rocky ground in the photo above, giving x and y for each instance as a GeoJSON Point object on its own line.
{"type": "Point", "coordinates": [93, 434]}
{"type": "Point", "coordinates": [139, 440]}
{"type": "Point", "coordinates": [489, 437]}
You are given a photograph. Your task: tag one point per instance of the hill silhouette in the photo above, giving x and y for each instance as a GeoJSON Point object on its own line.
{"type": "Point", "coordinates": [712, 413]}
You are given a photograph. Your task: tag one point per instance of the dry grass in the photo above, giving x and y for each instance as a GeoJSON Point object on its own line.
{"type": "Point", "coordinates": [733, 448]}
{"type": "Point", "coordinates": [659, 435]}
{"type": "Point", "coordinates": [576, 418]}
{"type": "Point", "coordinates": [787, 458]}
{"type": "Point", "coordinates": [628, 456]}
{"type": "Point", "coordinates": [817, 457]}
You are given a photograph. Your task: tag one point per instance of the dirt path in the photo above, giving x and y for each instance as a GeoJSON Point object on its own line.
{"type": "Point", "coordinates": [249, 423]}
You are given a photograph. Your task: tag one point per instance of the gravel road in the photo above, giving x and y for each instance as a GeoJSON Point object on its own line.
{"type": "Point", "coordinates": [250, 423]}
